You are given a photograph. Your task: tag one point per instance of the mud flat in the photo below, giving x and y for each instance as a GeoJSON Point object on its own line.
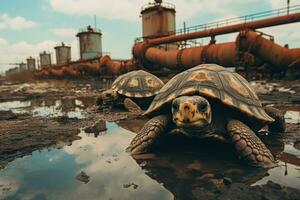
{"type": "Point", "coordinates": [57, 132]}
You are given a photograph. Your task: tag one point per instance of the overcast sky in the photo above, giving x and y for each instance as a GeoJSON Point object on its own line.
{"type": "Point", "coordinates": [28, 27]}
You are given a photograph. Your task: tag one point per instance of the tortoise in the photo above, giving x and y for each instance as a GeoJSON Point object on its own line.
{"type": "Point", "coordinates": [135, 90]}
{"type": "Point", "coordinates": [210, 101]}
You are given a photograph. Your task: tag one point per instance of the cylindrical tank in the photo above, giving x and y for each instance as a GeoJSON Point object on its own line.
{"type": "Point", "coordinates": [90, 43]}
{"type": "Point", "coordinates": [22, 66]}
{"type": "Point", "coordinates": [158, 19]}
{"type": "Point", "coordinates": [63, 54]}
{"type": "Point", "coordinates": [45, 59]}
{"type": "Point", "coordinates": [30, 63]}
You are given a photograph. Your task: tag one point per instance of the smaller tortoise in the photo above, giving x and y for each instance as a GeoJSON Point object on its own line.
{"type": "Point", "coordinates": [210, 101]}
{"type": "Point", "coordinates": [134, 90]}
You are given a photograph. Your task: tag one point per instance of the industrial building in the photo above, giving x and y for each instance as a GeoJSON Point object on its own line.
{"type": "Point", "coordinates": [30, 63]}
{"type": "Point", "coordinates": [45, 59]}
{"type": "Point", "coordinates": [63, 54]}
{"type": "Point", "coordinates": [90, 43]}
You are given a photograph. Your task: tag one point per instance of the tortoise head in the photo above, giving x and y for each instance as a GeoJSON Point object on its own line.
{"type": "Point", "coordinates": [191, 113]}
{"type": "Point", "coordinates": [109, 95]}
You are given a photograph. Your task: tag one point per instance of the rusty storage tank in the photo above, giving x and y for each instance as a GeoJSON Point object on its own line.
{"type": "Point", "coordinates": [63, 54]}
{"type": "Point", "coordinates": [158, 19]}
{"type": "Point", "coordinates": [22, 66]}
{"type": "Point", "coordinates": [90, 43]}
{"type": "Point", "coordinates": [30, 63]}
{"type": "Point", "coordinates": [45, 59]}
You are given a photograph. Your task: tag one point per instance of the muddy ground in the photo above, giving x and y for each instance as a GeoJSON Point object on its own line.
{"type": "Point", "coordinates": [24, 133]}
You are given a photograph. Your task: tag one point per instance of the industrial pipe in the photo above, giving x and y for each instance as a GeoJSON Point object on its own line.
{"type": "Point", "coordinates": [263, 23]}
{"type": "Point", "coordinates": [104, 66]}
{"type": "Point", "coordinates": [224, 54]}
{"type": "Point", "coordinates": [279, 57]}
{"type": "Point", "coordinates": [116, 67]}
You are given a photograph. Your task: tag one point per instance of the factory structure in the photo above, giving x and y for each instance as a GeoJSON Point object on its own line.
{"type": "Point", "coordinates": [162, 49]}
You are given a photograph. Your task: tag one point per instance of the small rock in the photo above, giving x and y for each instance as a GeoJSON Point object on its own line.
{"type": "Point", "coordinates": [96, 128]}
{"type": "Point", "coordinates": [83, 177]}
{"type": "Point", "coordinates": [130, 184]}
{"type": "Point", "coordinates": [227, 181]}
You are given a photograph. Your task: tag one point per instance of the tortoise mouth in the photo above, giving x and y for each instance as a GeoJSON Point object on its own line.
{"type": "Point", "coordinates": [192, 126]}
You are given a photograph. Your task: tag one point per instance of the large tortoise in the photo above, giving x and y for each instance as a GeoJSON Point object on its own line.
{"type": "Point", "coordinates": [210, 101]}
{"type": "Point", "coordinates": [134, 90]}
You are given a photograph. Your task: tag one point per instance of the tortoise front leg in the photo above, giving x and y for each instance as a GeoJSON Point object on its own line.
{"type": "Point", "coordinates": [132, 106]}
{"type": "Point", "coordinates": [248, 145]}
{"type": "Point", "coordinates": [149, 135]}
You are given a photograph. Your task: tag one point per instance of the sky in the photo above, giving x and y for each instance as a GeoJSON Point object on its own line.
{"type": "Point", "coordinates": [32, 26]}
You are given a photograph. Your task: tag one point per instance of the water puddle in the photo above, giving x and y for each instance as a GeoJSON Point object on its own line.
{"type": "Point", "coordinates": [50, 174]}
{"type": "Point", "coordinates": [72, 108]}
{"type": "Point", "coordinates": [114, 174]}
{"type": "Point", "coordinates": [292, 114]}
{"type": "Point", "coordinates": [288, 171]}
{"type": "Point", "coordinates": [182, 166]}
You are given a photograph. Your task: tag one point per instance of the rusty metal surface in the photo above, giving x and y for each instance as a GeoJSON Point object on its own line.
{"type": "Point", "coordinates": [102, 66]}
{"type": "Point", "coordinates": [277, 56]}
{"type": "Point", "coordinates": [224, 54]}
{"type": "Point", "coordinates": [274, 21]}
{"type": "Point", "coordinates": [158, 20]}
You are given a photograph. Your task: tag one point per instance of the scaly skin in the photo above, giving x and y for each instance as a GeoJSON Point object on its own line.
{"type": "Point", "coordinates": [279, 125]}
{"type": "Point", "coordinates": [149, 135]}
{"type": "Point", "coordinates": [248, 145]}
{"type": "Point", "coordinates": [132, 106]}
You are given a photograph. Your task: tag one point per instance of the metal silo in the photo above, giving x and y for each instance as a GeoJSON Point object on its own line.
{"type": "Point", "coordinates": [90, 43]}
{"type": "Point", "coordinates": [45, 59]}
{"type": "Point", "coordinates": [30, 63]}
{"type": "Point", "coordinates": [63, 54]}
{"type": "Point", "coordinates": [158, 19]}
{"type": "Point", "coordinates": [22, 66]}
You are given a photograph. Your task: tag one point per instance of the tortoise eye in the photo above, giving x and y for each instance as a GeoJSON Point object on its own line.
{"type": "Point", "coordinates": [175, 106]}
{"type": "Point", "coordinates": [202, 107]}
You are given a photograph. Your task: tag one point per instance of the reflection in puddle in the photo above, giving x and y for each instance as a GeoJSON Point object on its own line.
{"type": "Point", "coordinates": [52, 173]}
{"type": "Point", "coordinates": [288, 170]}
{"type": "Point", "coordinates": [176, 172]}
{"type": "Point", "coordinates": [72, 108]}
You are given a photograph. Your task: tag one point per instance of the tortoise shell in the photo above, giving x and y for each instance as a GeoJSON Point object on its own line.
{"type": "Point", "coordinates": [212, 81]}
{"type": "Point", "coordinates": [137, 84]}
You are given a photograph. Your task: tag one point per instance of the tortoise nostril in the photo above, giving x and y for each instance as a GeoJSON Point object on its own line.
{"type": "Point", "coordinates": [186, 107]}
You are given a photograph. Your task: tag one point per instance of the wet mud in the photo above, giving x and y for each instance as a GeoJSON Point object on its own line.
{"type": "Point", "coordinates": [55, 137]}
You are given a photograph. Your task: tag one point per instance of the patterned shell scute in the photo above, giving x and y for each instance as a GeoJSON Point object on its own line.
{"type": "Point", "coordinates": [213, 81]}
{"type": "Point", "coordinates": [137, 84]}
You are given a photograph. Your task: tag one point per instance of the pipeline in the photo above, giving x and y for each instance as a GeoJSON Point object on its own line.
{"type": "Point", "coordinates": [250, 48]}
{"type": "Point", "coordinates": [102, 66]}
{"type": "Point", "coordinates": [280, 58]}
{"type": "Point", "coordinates": [224, 54]}
{"type": "Point", "coordinates": [274, 21]}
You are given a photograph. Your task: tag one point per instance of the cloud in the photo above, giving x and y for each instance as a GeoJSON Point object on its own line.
{"type": "Point", "coordinates": [15, 23]}
{"type": "Point", "coordinates": [64, 32]}
{"type": "Point", "coordinates": [126, 10]}
{"type": "Point", "coordinates": [18, 52]}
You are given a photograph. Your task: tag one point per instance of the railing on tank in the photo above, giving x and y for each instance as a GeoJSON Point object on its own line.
{"type": "Point", "coordinates": [164, 4]}
{"type": "Point", "coordinates": [89, 29]}
{"type": "Point", "coordinates": [231, 21]}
